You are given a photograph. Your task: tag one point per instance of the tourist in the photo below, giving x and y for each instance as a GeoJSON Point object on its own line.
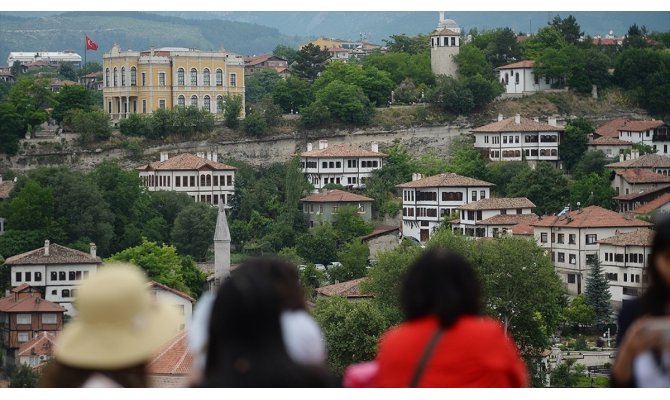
{"type": "Point", "coordinates": [444, 341]}
{"type": "Point", "coordinates": [117, 329]}
{"type": "Point", "coordinates": [643, 337]}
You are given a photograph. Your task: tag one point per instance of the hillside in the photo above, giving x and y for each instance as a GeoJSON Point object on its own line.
{"type": "Point", "coordinates": [133, 30]}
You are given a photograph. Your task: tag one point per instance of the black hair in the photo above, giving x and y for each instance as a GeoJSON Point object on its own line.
{"type": "Point", "coordinates": [657, 295]}
{"type": "Point", "coordinates": [442, 283]}
{"type": "Point", "coordinates": [246, 347]}
{"type": "Point", "coordinates": [59, 375]}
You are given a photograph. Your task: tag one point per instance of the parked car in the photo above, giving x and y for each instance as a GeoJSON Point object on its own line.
{"type": "Point", "coordinates": [301, 267]}
{"type": "Point", "coordinates": [334, 264]}
{"type": "Point", "coordinates": [320, 267]}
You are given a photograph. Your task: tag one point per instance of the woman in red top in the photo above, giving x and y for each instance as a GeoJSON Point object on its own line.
{"type": "Point", "coordinates": [444, 342]}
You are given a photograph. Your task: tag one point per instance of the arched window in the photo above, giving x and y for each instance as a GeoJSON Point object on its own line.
{"type": "Point", "coordinates": [206, 105]}
{"type": "Point", "coordinates": [194, 101]}
{"type": "Point", "coordinates": [219, 104]}
{"type": "Point", "coordinates": [107, 77]}
{"type": "Point", "coordinates": [181, 101]}
{"type": "Point", "coordinates": [133, 76]}
{"type": "Point", "coordinates": [516, 78]}
{"type": "Point", "coordinates": [202, 180]}
{"type": "Point", "coordinates": [209, 180]}
{"type": "Point", "coordinates": [194, 77]}
{"type": "Point", "coordinates": [180, 77]}
{"type": "Point", "coordinates": [506, 78]}
{"type": "Point", "coordinates": [116, 77]}
{"type": "Point", "coordinates": [219, 77]}
{"type": "Point", "coordinates": [123, 76]}
{"type": "Point", "coordinates": [205, 77]}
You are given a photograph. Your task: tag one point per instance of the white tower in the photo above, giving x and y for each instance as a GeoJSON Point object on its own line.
{"type": "Point", "coordinates": [444, 45]}
{"type": "Point", "coordinates": [221, 248]}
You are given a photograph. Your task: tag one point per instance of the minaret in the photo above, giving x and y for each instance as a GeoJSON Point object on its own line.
{"type": "Point", "coordinates": [221, 247]}
{"type": "Point", "coordinates": [445, 43]}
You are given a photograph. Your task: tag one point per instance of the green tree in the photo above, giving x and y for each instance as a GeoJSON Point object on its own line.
{"type": "Point", "coordinates": [137, 125]}
{"type": "Point", "coordinates": [12, 128]}
{"type": "Point", "coordinates": [15, 70]}
{"type": "Point", "coordinates": [471, 61]}
{"type": "Point", "coordinates": [375, 84]}
{"type": "Point", "coordinates": [578, 313]}
{"type": "Point", "coordinates": [24, 377]}
{"type": "Point", "coordinates": [408, 44]}
{"type": "Point", "coordinates": [346, 103]}
{"type": "Point", "coordinates": [502, 172]}
{"type": "Point", "coordinates": [401, 66]}
{"type": "Point", "coordinates": [193, 230]}
{"type": "Point", "coordinates": [318, 245]}
{"type": "Point", "coordinates": [547, 37]}
{"type": "Point", "coordinates": [466, 160]}
{"type": "Point", "coordinates": [397, 168]}
{"type": "Point", "coordinates": [348, 224]}
{"type": "Point", "coordinates": [592, 189]}
{"type": "Point", "coordinates": [259, 84]}
{"type": "Point", "coordinates": [568, 27]}
{"type": "Point", "coordinates": [91, 66]}
{"type": "Point", "coordinates": [483, 90]}
{"type": "Point", "coordinates": [636, 37]}
{"type": "Point", "coordinates": [575, 141]}
{"type": "Point", "coordinates": [351, 330]}
{"type": "Point", "coordinates": [544, 186]}
{"type": "Point", "coordinates": [292, 94]}
{"type": "Point", "coordinates": [309, 62]}
{"type": "Point", "coordinates": [254, 124]}
{"type": "Point", "coordinates": [503, 47]}
{"type": "Point", "coordinates": [597, 294]}
{"type": "Point", "coordinates": [232, 107]}
{"type": "Point", "coordinates": [563, 376]}
{"type": "Point", "coordinates": [354, 258]}
{"type": "Point", "coordinates": [591, 162]}
{"type": "Point", "coordinates": [315, 115]}
{"type": "Point", "coordinates": [31, 208]}
{"type": "Point", "coordinates": [169, 204]}
{"type": "Point", "coordinates": [634, 66]}
{"type": "Point", "coordinates": [451, 95]}
{"type": "Point", "coordinates": [66, 71]}
{"type": "Point", "coordinates": [70, 98]}
{"type": "Point", "coordinates": [31, 98]}
{"type": "Point", "coordinates": [90, 125]}
{"type": "Point", "coordinates": [286, 52]}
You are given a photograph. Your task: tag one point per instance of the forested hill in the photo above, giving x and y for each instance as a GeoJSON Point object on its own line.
{"type": "Point", "coordinates": [134, 30]}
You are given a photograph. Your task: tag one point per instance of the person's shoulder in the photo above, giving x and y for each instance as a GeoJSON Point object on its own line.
{"type": "Point", "coordinates": [483, 325]}
{"type": "Point", "coordinates": [631, 308]}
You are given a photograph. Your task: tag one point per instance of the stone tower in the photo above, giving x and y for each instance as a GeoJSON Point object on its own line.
{"type": "Point", "coordinates": [444, 45]}
{"type": "Point", "coordinates": [221, 247]}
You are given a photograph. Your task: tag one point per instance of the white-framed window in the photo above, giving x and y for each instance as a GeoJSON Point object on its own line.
{"type": "Point", "coordinates": [181, 101]}
{"type": "Point", "coordinates": [206, 104]}
{"type": "Point", "coordinates": [49, 318]}
{"type": "Point", "coordinates": [107, 77]}
{"type": "Point", "coordinates": [572, 258]}
{"type": "Point", "coordinates": [116, 77]}
{"type": "Point", "coordinates": [161, 79]}
{"type": "Point", "coordinates": [233, 80]}
{"type": "Point", "coordinates": [24, 319]}
{"type": "Point", "coordinates": [123, 76]}
{"type": "Point", "coordinates": [219, 77]}
{"type": "Point", "coordinates": [591, 239]}
{"type": "Point", "coordinates": [180, 77]}
{"type": "Point", "coordinates": [161, 103]}
{"type": "Point", "coordinates": [205, 77]}
{"type": "Point", "coordinates": [133, 76]}
{"type": "Point", "coordinates": [219, 104]}
{"type": "Point", "coordinates": [194, 101]}
{"type": "Point", "coordinates": [194, 77]}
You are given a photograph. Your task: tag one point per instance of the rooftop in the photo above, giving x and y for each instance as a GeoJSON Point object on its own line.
{"type": "Point", "coordinates": [653, 205]}
{"type": "Point", "coordinates": [28, 304]}
{"type": "Point", "coordinates": [640, 126]}
{"type": "Point", "coordinates": [335, 196]}
{"type": "Point", "coordinates": [645, 161]}
{"type": "Point", "coordinates": [342, 150]}
{"type": "Point", "coordinates": [591, 217]}
{"type": "Point", "coordinates": [380, 231]}
{"type": "Point", "coordinates": [611, 128]}
{"type": "Point", "coordinates": [640, 237]}
{"type": "Point", "coordinates": [639, 175]}
{"type": "Point", "coordinates": [609, 141]}
{"type": "Point", "coordinates": [174, 359]}
{"type": "Point", "coordinates": [251, 61]}
{"type": "Point", "coordinates": [509, 219]}
{"type": "Point", "coordinates": [343, 289]}
{"type": "Point", "coordinates": [57, 255]}
{"type": "Point", "coordinates": [445, 32]}
{"type": "Point", "coordinates": [498, 203]}
{"type": "Point", "coordinates": [445, 180]}
{"type": "Point", "coordinates": [159, 286]}
{"type": "Point", "coordinates": [41, 345]}
{"type": "Point", "coordinates": [510, 125]}
{"type": "Point", "coordinates": [642, 193]}
{"type": "Point", "coordinates": [519, 64]}
{"type": "Point", "coordinates": [186, 161]}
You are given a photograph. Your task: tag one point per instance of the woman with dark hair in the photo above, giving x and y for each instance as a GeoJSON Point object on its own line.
{"type": "Point", "coordinates": [444, 342]}
{"type": "Point", "coordinates": [246, 346]}
{"type": "Point", "coordinates": [644, 323]}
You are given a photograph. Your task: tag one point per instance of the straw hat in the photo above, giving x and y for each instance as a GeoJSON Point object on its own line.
{"type": "Point", "coordinates": [118, 323]}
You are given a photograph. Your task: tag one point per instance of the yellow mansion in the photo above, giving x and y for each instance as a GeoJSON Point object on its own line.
{"type": "Point", "coordinates": [144, 81]}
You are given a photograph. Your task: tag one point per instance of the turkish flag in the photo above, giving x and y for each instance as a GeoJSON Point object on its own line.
{"type": "Point", "coordinates": [90, 45]}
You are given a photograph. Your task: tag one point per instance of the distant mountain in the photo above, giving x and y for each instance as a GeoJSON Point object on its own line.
{"type": "Point", "coordinates": [134, 30]}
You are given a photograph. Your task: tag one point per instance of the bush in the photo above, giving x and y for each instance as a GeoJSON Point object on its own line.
{"type": "Point", "coordinates": [91, 125]}
{"type": "Point", "coordinates": [232, 107]}
{"type": "Point", "coordinates": [315, 115]}
{"type": "Point", "coordinates": [254, 124]}
{"type": "Point", "coordinates": [137, 125]}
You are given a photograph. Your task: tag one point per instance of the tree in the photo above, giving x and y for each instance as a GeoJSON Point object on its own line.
{"type": "Point", "coordinates": [66, 70]}
{"type": "Point", "coordinates": [591, 162]}
{"type": "Point", "coordinates": [398, 168]}
{"type": "Point", "coordinates": [592, 189]}
{"type": "Point", "coordinates": [169, 204]}
{"type": "Point", "coordinates": [401, 66]}
{"type": "Point", "coordinates": [597, 293]}
{"type": "Point", "coordinates": [348, 224]}
{"type": "Point", "coordinates": [259, 84]}
{"type": "Point", "coordinates": [318, 245]}
{"type": "Point", "coordinates": [12, 128]}
{"type": "Point", "coordinates": [568, 27]}
{"type": "Point", "coordinates": [193, 230]}
{"type": "Point", "coordinates": [315, 115]}
{"type": "Point", "coordinates": [578, 313]}
{"type": "Point", "coordinates": [502, 172]}
{"type": "Point", "coordinates": [642, 149]}
{"type": "Point", "coordinates": [503, 47]}
{"type": "Point", "coordinates": [254, 125]}
{"type": "Point", "coordinates": [309, 62]}
{"type": "Point", "coordinates": [292, 94]}
{"type": "Point", "coordinates": [354, 259]}
{"type": "Point", "coordinates": [483, 90]}
{"type": "Point", "coordinates": [70, 98]}
{"type": "Point", "coordinates": [351, 330]}
{"type": "Point", "coordinates": [24, 377]}
{"type": "Point", "coordinates": [232, 107]}
{"type": "Point", "coordinates": [346, 103]}
{"type": "Point", "coordinates": [547, 37]}
{"type": "Point", "coordinates": [31, 98]}
{"type": "Point", "coordinates": [15, 70]}
{"type": "Point", "coordinates": [286, 52]}
{"type": "Point", "coordinates": [466, 160]}
{"type": "Point", "coordinates": [137, 125]}
{"type": "Point", "coordinates": [563, 376]}
{"type": "Point", "coordinates": [91, 125]}
{"type": "Point", "coordinates": [574, 142]}
{"type": "Point", "coordinates": [636, 37]}
{"type": "Point", "coordinates": [451, 95]}
{"type": "Point", "coordinates": [471, 62]}
{"type": "Point", "coordinates": [408, 44]}
{"type": "Point", "coordinates": [376, 84]}
{"type": "Point", "coordinates": [544, 186]}
{"type": "Point", "coordinates": [31, 208]}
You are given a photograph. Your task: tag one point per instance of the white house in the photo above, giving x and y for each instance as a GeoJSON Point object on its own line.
{"type": "Point", "coordinates": [37, 350]}
{"type": "Point", "coordinates": [508, 224]}
{"type": "Point", "coordinates": [55, 270]}
{"type": "Point", "coordinates": [654, 133]}
{"type": "Point", "coordinates": [519, 79]}
{"type": "Point", "coordinates": [180, 300]}
{"type": "Point", "coordinates": [623, 258]}
{"type": "Point", "coordinates": [651, 162]}
{"type": "Point", "coordinates": [626, 181]}
{"type": "Point", "coordinates": [202, 177]}
{"type": "Point", "coordinates": [517, 138]}
{"type": "Point", "coordinates": [572, 238]}
{"type": "Point", "coordinates": [51, 57]}
{"type": "Point", "coordinates": [659, 207]}
{"type": "Point", "coordinates": [426, 202]}
{"type": "Point", "coordinates": [341, 164]}
{"type": "Point", "coordinates": [445, 44]}
{"type": "Point", "coordinates": [473, 214]}
{"type": "Point", "coordinates": [611, 147]}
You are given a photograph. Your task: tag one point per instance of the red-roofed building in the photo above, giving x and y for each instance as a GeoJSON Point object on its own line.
{"type": "Point", "coordinates": [180, 300]}
{"type": "Point", "coordinates": [611, 128]}
{"type": "Point", "coordinates": [428, 201]}
{"type": "Point", "coordinates": [626, 181]}
{"type": "Point", "coordinates": [489, 217]}
{"type": "Point", "coordinates": [629, 202]}
{"type": "Point", "coordinates": [660, 207]}
{"type": "Point", "coordinates": [37, 350]}
{"type": "Point", "coordinates": [321, 207]}
{"type": "Point", "coordinates": [23, 315]}
{"type": "Point", "coordinates": [653, 133]}
{"type": "Point", "coordinates": [517, 138]}
{"type": "Point", "coordinates": [265, 61]}
{"type": "Point", "coordinates": [200, 176]}
{"type": "Point", "coordinates": [610, 146]}
{"type": "Point", "coordinates": [341, 164]}
{"type": "Point", "coordinates": [383, 238]}
{"type": "Point", "coordinates": [571, 239]}
{"type": "Point", "coordinates": [172, 365]}
{"type": "Point", "coordinates": [350, 290]}
{"type": "Point", "coordinates": [518, 79]}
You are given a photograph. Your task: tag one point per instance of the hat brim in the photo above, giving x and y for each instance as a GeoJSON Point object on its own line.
{"type": "Point", "coordinates": [111, 347]}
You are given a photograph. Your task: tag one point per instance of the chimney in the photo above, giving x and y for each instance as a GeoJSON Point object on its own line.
{"type": "Point", "coordinates": [215, 156]}
{"type": "Point", "coordinates": [634, 155]}
{"type": "Point", "coordinates": [517, 119]}
{"type": "Point", "coordinates": [500, 117]}
{"type": "Point", "coordinates": [552, 121]}
{"type": "Point", "coordinates": [621, 157]}
{"type": "Point", "coordinates": [309, 146]}
{"type": "Point", "coordinates": [164, 155]}
{"type": "Point", "coordinates": [94, 250]}
{"type": "Point", "coordinates": [46, 247]}
{"type": "Point", "coordinates": [323, 144]}
{"type": "Point", "coordinates": [200, 154]}
{"type": "Point", "coordinates": [375, 147]}
{"type": "Point", "coordinates": [416, 176]}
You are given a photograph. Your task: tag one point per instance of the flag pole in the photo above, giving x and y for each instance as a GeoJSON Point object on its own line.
{"type": "Point", "coordinates": [85, 48]}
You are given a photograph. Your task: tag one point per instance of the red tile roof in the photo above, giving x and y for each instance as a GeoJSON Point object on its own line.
{"type": "Point", "coordinates": [509, 125]}
{"type": "Point", "coordinates": [342, 150]}
{"type": "Point", "coordinates": [251, 61]}
{"type": "Point", "coordinates": [6, 188]}
{"type": "Point", "coordinates": [27, 304]}
{"type": "Point", "coordinates": [174, 359]}
{"type": "Point", "coordinates": [607, 41]}
{"type": "Point", "coordinates": [611, 128]}
{"type": "Point", "coordinates": [635, 195]}
{"type": "Point", "coordinates": [523, 228]}
{"type": "Point", "coordinates": [609, 141]}
{"type": "Point", "coordinates": [335, 196]}
{"type": "Point", "coordinates": [519, 64]}
{"type": "Point", "coordinates": [642, 176]}
{"type": "Point", "coordinates": [509, 219]}
{"type": "Point", "coordinates": [57, 255]}
{"type": "Point", "coordinates": [445, 180]}
{"type": "Point", "coordinates": [640, 237]}
{"type": "Point", "coordinates": [498, 203]}
{"type": "Point", "coordinates": [640, 126]}
{"type": "Point", "coordinates": [186, 161]}
{"type": "Point", "coordinates": [445, 32]}
{"type": "Point", "coordinates": [645, 161]}
{"type": "Point", "coordinates": [160, 286]}
{"type": "Point", "coordinates": [380, 231]}
{"type": "Point", "coordinates": [591, 217]}
{"type": "Point", "coordinates": [40, 345]}
{"type": "Point", "coordinates": [343, 289]}
{"type": "Point", "coordinates": [653, 205]}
